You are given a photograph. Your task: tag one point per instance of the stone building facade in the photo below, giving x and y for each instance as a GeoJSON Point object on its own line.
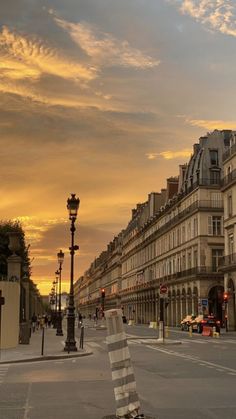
{"type": "Point", "coordinates": [228, 263]}
{"type": "Point", "coordinates": [175, 238]}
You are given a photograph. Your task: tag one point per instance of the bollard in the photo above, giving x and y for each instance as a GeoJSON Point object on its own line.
{"type": "Point", "coordinates": [161, 337]}
{"type": "Point", "coordinates": [190, 330]}
{"type": "Point", "coordinates": [127, 400]}
{"type": "Point", "coordinates": [214, 332]}
{"type": "Point", "coordinates": [42, 347]}
{"type": "Point", "coordinates": [167, 331]}
{"type": "Point", "coordinates": [81, 341]}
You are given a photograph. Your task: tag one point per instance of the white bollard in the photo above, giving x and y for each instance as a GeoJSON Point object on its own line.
{"type": "Point", "coordinates": [126, 396]}
{"type": "Point", "coordinates": [161, 331]}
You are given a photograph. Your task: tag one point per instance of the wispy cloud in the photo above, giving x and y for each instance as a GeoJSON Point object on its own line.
{"type": "Point", "coordinates": [218, 15]}
{"type": "Point", "coordinates": [22, 58]}
{"type": "Point", "coordinates": [104, 49]}
{"type": "Point", "coordinates": [169, 155]}
{"type": "Point", "coordinates": [212, 124]}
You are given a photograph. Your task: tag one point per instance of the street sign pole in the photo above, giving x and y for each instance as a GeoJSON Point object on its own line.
{"type": "Point", "coordinates": [163, 292]}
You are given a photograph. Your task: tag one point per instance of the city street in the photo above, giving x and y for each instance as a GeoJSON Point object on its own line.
{"type": "Point", "coordinates": [195, 379]}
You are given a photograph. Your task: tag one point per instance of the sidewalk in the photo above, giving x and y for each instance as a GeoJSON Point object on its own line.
{"type": "Point", "coordinates": [53, 349]}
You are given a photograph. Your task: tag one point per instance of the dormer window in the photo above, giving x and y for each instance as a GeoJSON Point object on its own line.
{"type": "Point", "coordinates": [214, 157]}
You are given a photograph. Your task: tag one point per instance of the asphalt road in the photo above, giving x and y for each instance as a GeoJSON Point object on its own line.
{"type": "Point", "coordinates": [192, 380]}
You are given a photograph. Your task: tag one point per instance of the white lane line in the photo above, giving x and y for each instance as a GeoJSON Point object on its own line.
{"type": "Point", "coordinates": [219, 368]}
{"type": "Point", "coordinates": [3, 372]}
{"type": "Point", "coordinates": [231, 373]}
{"type": "Point", "coordinates": [27, 405]}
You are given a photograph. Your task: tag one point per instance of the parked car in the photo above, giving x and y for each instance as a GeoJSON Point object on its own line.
{"type": "Point", "coordinates": [185, 323]}
{"type": "Point", "coordinates": [200, 321]}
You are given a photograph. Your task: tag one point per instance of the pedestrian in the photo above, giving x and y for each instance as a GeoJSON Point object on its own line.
{"type": "Point", "coordinates": [34, 322]}
{"type": "Point", "coordinates": [41, 322]}
{"type": "Point", "coordinates": [49, 320]}
{"type": "Point", "coordinates": [46, 320]}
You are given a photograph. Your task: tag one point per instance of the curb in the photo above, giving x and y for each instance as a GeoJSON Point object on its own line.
{"type": "Point", "coordinates": [47, 358]}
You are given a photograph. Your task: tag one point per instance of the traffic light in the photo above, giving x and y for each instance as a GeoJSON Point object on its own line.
{"type": "Point", "coordinates": [103, 293]}
{"type": "Point", "coordinates": [225, 297]}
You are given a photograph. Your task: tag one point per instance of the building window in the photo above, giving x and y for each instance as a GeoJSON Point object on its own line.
{"type": "Point", "coordinates": [216, 200]}
{"type": "Point", "coordinates": [230, 204]}
{"type": "Point", "coordinates": [215, 225]}
{"type": "Point", "coordinates": [214, 177]}
{"type": "Point", "coordinates": [214, 157]}
{"type": "Point", "coordinates": [189, 260]}
{"type": "Point", "coordinates": [195, 258]}
{"type": "Point", "coordinates": [195, 227]}
{"type": "Point", "coordinates": [216, 255]}
{"type": "Point", "coordinates": [183, 234]}
{"type": "Point", "coordinates": [231, 244]}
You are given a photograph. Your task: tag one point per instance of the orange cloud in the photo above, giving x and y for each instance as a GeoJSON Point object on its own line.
{"type": "Point", "coordinates": [212, 124]}
{"type": "Point", "coordinates": [169, 155]}
{"type": "Point", "coordinates": [23, 58]}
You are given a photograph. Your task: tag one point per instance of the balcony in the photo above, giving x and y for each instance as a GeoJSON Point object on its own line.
{"type": "Point", "coordinates": [201, 271]}
{"type": "Point", "coordinates": [227, 263]}
{"type": "Point", "coordinates": [196, 271]}
{"type": "Point", "coordinates": [200, 205]}
{"type": "Point", "coordinates": [228, 179]}
{"type": "Point", "coordinates": [229, 152]}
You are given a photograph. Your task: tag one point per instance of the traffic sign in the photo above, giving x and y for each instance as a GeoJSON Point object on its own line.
{"type": "Point", "coordinates": [163, 289]}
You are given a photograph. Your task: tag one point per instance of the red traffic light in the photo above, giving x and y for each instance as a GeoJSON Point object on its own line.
{"type": "Point", "coordinates": [225, 297]}
{"type": "Point", "coordinates": [103, 292]}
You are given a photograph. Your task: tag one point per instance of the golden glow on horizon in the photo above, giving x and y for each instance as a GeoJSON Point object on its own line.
{"type": "Point", "coordinates": [212, 125]}
{"type": "Point", "coordinates": [93, 104]}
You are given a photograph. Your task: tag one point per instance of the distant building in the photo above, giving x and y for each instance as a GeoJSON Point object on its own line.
{"type": "Point", "coordinates": [175, 238]}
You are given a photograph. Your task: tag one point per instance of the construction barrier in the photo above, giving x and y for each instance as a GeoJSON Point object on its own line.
{"type": "Point", "coordinates": [153, 325]}
{"type": "Point", "coordinates": [126, 396]}
{"type": "Point", "coordinates": [207, 331]}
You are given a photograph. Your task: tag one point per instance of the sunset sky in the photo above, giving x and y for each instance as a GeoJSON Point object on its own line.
{"type": "Point", "coordinates": [104, 98]}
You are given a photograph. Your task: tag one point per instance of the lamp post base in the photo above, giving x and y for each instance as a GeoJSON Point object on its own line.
{"type": "Point", "coordinates": [70, 346]}
{"type": "Point", "coordinates": [59, 333]}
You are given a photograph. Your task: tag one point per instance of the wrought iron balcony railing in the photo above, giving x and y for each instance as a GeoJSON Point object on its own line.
{"type": "Point", "coordinates": [229, 178]}
{"type": "Point", "coordinates": [231, 150]}
{"type": "Point", "coordinates": [227, 261]}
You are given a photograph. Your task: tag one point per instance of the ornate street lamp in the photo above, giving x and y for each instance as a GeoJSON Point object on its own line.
{"type": "Point", "coordinates": [55, 311]}
{"type": "Point", "coordinates": [60, 258]}
{"type": "Point", "coordinates": [70, 344]}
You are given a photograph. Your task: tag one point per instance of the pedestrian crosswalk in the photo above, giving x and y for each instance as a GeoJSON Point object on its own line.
{"type": "Point", "coordinates": [3, 372]}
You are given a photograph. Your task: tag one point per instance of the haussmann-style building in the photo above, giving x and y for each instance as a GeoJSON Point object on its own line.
{"type": "Point", "coordinates": [175, 238]}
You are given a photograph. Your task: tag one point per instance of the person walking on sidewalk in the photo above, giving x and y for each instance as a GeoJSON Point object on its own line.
{"type": "Point", "coordinates": [34, 322]}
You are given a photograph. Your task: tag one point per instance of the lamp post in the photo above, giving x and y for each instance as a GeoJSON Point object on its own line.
{"type": "Point", "coordinates": [60, 258]}
{"type": "Point", "coordinates": [55, 312]}
{"type": "Point", "coordinates": [70, 344]}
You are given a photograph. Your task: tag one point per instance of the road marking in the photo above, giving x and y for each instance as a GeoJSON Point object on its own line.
{"type": "Point", "coordinates": [3, 372]}
{"type": "Point", "coordinates": [219, 368]}
{"type": "Point", "coordinates": [27, 405]}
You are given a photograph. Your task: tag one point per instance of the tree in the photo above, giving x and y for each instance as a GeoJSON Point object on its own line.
{"type": "Point", "coordinates": [5, 228]}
